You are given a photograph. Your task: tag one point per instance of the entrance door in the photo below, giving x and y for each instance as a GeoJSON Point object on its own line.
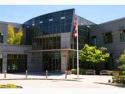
{"type": "Point", "coordinates": [16, 63]}
{"type": "Point", "coordinates": [11, 67]}
{"type": "Point", "coordinates": [51, 61]}
{"type": "Point", "coordinates": [0, 65]}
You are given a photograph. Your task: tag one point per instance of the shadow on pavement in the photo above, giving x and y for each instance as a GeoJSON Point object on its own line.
{"type": "Point", "coordinates": [111, 84]}
{"type": "Point", "coordinates": [39, 73]}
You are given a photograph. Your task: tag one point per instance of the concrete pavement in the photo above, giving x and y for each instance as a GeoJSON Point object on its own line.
{"type": "Point", "coordinates": [58, 81]}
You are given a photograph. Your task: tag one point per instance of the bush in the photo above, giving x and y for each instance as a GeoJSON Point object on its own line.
{"type": "Point", "coordinates": [74, 71]}
{"type": "Point", "coordinates": [119, 79]}
{"type": "Point", "coordinates": [9, 86]}
{"type": "Point", "coordinates": [81, 71]}
{"type": "Point", "coordinates": [122, 72]}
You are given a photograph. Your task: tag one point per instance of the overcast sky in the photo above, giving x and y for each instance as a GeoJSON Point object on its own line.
{"type": "Point", "coordinates": [97, 14]}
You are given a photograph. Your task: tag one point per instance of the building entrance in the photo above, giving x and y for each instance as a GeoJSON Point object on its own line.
{"type": "Point", "coordinates": [16, 63]}
{"type": "Point", "coordinates": [1, 65]}
{"type": "Point", "coordinates": [51, 61]}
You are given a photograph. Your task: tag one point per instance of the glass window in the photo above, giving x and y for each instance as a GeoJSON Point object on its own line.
{"type": "Point", "coordinates": [108, 38]}
{"type": "Point", "coordinates": [50, 20]}
{"type": "Point", "coordinates": [94, 40]}
{"type": "Point", "coordinates": [122, 36]}
{"type": "Point", "coordinates": [41, 22]}
{"type": "Point", "coordinates": [1, 38]}
{"type": "Point", "coordinates": [16, 63]}
{"type": "Point", "coordinates": [62, 17]}
{"type": "Point", "coordinates": [33, 24]}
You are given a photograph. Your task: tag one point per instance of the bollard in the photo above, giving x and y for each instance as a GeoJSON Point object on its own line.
{"type": "Point", "coordinates": [109, 81]}
{"type": "Point", "coordinates": [26, 74]}
{"type": "Point", "coordinates": [46, 74]}
{"type": "Point", "coordinates": [65, 74]}
{"type": "Point", "coordinates": [5, 74]}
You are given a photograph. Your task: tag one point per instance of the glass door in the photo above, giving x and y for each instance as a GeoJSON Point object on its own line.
{"type": "Point", "coordinates": [1, 65]}
{"type": "Point", "coordinates": [51, 61]}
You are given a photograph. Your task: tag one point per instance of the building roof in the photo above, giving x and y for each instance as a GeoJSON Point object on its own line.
{"type": "Point", "coordinates": [113, 21]}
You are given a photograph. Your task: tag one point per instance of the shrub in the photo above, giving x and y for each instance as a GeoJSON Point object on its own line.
{"type": "Point", "coordinates": [74, 71]}
{"type": "Point", "coordinates": [121, 61]}
{"type": "Point", "coordinates": [81, 71]}
{"type": "Point", "coordinates": [119, 79]}
{"type": "Point", "coordinates": [9, 86]}
{"type": "Point", "coordinates": [122, 72]}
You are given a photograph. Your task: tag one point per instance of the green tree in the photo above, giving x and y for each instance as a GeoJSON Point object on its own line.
{"type": "Point", "coordinates": [92, 55]}
{"type": "Point", "coordinates": [10, 34]}
{"type": "Point", "coordinates": [18, 36]}
{"type": "Point", "coordinates": [121, 61]}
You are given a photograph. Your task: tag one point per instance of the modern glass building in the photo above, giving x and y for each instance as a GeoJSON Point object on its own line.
{"type": "Point", "coordinates": [49, 42]}
{"type": "Point", "coordinates": [52, 40]}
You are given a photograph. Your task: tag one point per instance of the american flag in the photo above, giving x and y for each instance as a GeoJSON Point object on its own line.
{"type": "Point", "coordinates": [75, 27]}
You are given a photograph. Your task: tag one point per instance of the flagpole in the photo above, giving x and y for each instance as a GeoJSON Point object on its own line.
{"type": "Point", "coordinates": [77, 54]}
{"type": "Point", "coordinates": [75, 34]}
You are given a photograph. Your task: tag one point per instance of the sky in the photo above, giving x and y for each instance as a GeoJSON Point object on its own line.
{"type": "Point", "coordinates": [95, 13]}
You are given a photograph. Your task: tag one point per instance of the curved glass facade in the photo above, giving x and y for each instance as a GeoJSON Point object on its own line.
{"type": "Point", "coordinates": [56, 22]}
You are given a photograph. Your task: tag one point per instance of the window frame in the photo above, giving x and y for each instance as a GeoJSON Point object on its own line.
{"type": "Point", "coordinates": [105, 40]}
{"type": "Point", "coordinates": [122, 38]}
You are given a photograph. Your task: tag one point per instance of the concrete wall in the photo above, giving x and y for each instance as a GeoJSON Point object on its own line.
{"type": "Point", "coordinates": [64, 60]}
{"type": "Point", "coordinates": [36, 62]}
{"type": "Point", "coordinates": [65, 44]}
{"type": "Point", "coordinates": [3, 31]}
{"type": "Point", "coordinates": [65, 40]}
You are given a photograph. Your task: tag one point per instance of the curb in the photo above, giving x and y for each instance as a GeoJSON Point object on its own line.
{"type": "Point", "coordinates": [40, 79]}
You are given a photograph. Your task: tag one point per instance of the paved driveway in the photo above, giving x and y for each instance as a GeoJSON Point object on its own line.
{"type": "Point", "coordinates": [58, 81]}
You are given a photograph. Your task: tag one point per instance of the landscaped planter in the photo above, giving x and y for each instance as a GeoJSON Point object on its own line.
{"type": "Point", "coordinates": [118, 80]}
{"type": "Point", "coordinates": [9, 86]}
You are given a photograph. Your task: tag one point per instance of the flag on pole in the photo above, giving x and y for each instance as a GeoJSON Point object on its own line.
{"type": "Point", "coordinates": [75, 27]}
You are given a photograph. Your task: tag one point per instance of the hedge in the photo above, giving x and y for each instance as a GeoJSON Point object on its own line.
{"type": "Point", "coordinates": [81, 71]}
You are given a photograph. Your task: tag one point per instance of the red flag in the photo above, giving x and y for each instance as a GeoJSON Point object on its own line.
{"type": "Point", "coordinates": [75, 27]}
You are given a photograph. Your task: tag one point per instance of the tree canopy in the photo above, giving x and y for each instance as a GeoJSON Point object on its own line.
{"type": "Point", "coordinates": [18, 36]}
{"type": "Point", "coordinates": [10, 34]}
{"type": "Point", "coordinates": [92, 55]}
{"type": "Point", "coordinates": [14, 37]}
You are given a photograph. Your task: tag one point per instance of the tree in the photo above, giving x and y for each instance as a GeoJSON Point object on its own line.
{"type": "Point", "coordinates": [14, 37]}
{"type": "Point", "coordinates": [18, 36]}
{"type": "Point", "coordinates": [92, 55]}
{"type": "Point", "coordinates": [121, 61]}
{"type": "Point", "coordinates": [10, 34]}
